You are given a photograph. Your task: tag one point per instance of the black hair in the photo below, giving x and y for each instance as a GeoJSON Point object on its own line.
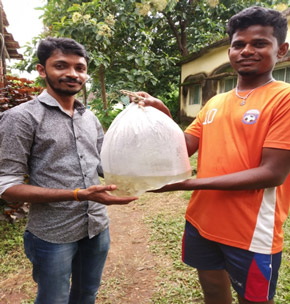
{"type": "Point", "coordinates": [65, 45]}
{"type": "Point", "coordinates": [257, 15]}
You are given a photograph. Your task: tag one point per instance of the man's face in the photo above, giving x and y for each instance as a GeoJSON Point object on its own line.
{"type": "Point", "coordinates": [254, 50]}
{"type": "Point", "coordinates": [65, 74]}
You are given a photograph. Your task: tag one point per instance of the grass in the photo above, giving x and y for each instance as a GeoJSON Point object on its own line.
{"type": "Point", "coordinates": [15, 269]}
{"type": "Point", "coordinates": [283, 288]}
{"type": "Point", "coordinates": [177, 283]}
{"type": "Point", "coordinates": [11, 248]}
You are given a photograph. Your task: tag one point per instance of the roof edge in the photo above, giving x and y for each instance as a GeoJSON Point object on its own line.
{"type": "Point", "coordinates": [204, 50]}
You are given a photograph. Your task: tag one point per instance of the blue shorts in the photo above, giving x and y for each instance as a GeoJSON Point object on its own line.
{"type": "Point", "coordinates": [253, 275]}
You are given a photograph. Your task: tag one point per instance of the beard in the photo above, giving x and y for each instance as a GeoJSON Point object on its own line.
{"type": "Point", "coordinates": [247, 73]}
{"type": "Point", "coordinates": [64, 92]}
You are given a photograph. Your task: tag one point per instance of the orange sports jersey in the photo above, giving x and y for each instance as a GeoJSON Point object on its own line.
{"type": "Point", "coordinates": [231, 139]}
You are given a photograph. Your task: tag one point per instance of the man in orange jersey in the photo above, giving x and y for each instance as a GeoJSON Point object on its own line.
{"type": "Point", "coordinates": [233, 233]}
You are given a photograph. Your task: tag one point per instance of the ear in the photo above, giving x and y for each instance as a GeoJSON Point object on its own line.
{"type": "Point", "coordinates": [41, 70]}
{"type": "Point", "coordinates": [229, 53]}
{"type": "Point", "coordinates": [283, 49]}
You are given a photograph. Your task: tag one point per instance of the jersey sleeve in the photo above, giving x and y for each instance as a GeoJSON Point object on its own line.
{"type": "Point", "coordinates": [195, 128]}
{"type": "Point", "coordinates": [278, 135]}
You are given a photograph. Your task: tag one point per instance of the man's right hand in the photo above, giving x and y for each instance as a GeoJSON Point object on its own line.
{"type": "Point", "coordinates": [100, 194]}
{"type": "Point", "coordinates": [149, 100]}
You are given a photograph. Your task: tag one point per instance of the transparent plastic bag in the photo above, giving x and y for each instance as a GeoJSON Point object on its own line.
{"type": "Point", "coordinates": [143, 150]}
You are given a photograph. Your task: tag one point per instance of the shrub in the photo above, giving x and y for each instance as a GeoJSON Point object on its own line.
{"type": "Point", "coordinates": [13, 92]}
{"type": "Point", "coordinates": [16, 91]}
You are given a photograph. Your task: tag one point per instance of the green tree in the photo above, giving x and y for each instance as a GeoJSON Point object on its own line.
{"type": "Point", "coordinates": [136, 44]}
{"type": "Point", "coordinates": [196, 23]}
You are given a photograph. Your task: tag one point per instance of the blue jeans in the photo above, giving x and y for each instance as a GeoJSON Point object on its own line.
{"type": "Point", "coordinates": [54, 264]}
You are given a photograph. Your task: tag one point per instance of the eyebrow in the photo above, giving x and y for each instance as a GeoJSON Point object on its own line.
{"type": "Point", "coordinates": [252, 41]}
{"type": "Point", "coordinates": [65, 62]}
{"type": "Point", "coordinates": [255, 39]}
{"type": "Point", "coordinates": [60, 61]}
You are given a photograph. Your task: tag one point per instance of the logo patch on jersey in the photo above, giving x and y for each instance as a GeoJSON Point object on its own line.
{"type": "Point", "coordinates": [250, 117]}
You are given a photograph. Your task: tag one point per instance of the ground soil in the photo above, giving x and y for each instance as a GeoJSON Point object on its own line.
{"type": "Point", "coordinates": [129, 267]}
{"type": "Point", "coordinates": [130, 261]}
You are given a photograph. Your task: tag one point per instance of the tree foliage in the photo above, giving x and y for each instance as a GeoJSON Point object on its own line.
{"type": "Point", "coordinates": [136, 44]}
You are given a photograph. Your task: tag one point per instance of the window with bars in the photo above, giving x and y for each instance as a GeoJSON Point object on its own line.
{"type": "Point", "coordinates": [227, 84]}
{"type": "Point", "coordinates": [195, 94]}
{"type": "Point", "coordinates": [282, 74]}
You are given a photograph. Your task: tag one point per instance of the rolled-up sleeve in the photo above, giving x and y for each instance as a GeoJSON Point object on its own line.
{"type": "Point", "coordinates": [9, 181]}
{"type": "Point", "coordinates": [16, 137]}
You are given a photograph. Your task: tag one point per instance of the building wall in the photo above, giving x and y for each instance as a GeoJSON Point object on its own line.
{"type": "Point", "coordinates": [207, 63]}
{"type": "Point", "coordinates": [203, 65]}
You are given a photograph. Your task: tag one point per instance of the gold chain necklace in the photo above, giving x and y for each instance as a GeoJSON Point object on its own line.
{"type": "Point", "coordinates": [244, 98]}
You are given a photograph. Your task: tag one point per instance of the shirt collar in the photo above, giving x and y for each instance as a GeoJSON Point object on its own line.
{"type": "Point", "coordinates": [47, 99]}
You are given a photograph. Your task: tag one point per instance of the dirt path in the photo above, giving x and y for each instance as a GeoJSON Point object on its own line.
{"type": "Point", "coordinates": [130, 265]}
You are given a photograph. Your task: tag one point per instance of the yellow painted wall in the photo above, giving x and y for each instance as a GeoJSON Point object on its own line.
{"type": "Point", "coordinates": [206, 63]}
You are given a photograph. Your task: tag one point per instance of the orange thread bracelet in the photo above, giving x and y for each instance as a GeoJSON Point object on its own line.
{"type": "Point", "coordinates": [75, 193]}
